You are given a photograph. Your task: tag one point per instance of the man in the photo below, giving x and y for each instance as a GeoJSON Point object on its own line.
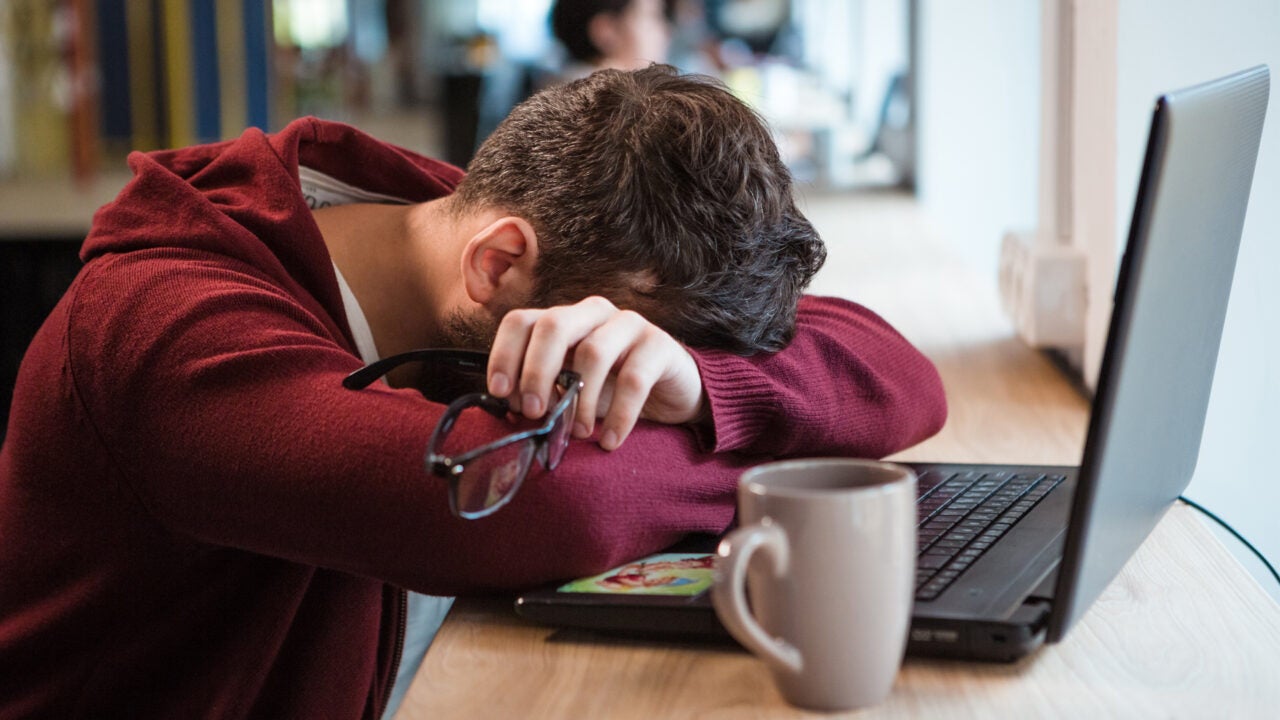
{"type": "Point", "coordinates": [197, 519]}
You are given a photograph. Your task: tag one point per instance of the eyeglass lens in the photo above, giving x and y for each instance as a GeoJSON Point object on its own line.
{"type": "Point", "coordinates": [558, 439]}
{"type": "Point", "coordinates": [492, 478]}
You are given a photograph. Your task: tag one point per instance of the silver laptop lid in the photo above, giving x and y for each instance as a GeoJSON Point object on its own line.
{"type": "Point", "coordinates": [1170, 305]}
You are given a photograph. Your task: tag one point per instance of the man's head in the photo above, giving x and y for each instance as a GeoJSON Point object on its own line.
{"type": "Point", "coordinates": [660, 191]}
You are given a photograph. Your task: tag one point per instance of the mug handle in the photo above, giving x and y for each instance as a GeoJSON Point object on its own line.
{"type": "Point", "coordinates": [729, 597]}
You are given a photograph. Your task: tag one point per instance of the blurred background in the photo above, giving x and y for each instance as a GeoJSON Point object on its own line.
{"type": "Point", "coordinates": [85, 81]}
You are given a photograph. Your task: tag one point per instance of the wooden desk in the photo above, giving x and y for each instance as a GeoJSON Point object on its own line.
{"type": "Point", "coordinates": [1184, 631]}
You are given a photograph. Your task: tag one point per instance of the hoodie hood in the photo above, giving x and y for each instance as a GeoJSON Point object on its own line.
{"type": "Point", "coordinates": [241, 198]}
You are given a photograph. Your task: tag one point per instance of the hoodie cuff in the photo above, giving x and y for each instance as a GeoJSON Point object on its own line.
{"type": "Point", "coordinates": [741, 402]}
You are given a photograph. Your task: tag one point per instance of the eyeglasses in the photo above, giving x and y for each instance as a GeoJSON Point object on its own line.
{"type": "Point", "coordinates": [481, 479]}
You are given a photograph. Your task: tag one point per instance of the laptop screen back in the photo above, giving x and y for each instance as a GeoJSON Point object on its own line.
{"type": "Point", "coordinates": [1170, 305]}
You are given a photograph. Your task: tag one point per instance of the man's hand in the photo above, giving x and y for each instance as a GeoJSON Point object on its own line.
{"type": "Point", "coordinates": [630, 367]}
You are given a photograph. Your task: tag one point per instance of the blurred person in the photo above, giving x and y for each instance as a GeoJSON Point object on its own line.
{"type": "Point", "coordinates": [616, 34]}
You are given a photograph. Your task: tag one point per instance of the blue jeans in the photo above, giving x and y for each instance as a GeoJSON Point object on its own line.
{"type": "Point", "coordinates": [426, 612]}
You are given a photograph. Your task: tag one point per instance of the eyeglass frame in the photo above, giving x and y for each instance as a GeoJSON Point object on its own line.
{"type": "Point", "coordinates": [452, 468]}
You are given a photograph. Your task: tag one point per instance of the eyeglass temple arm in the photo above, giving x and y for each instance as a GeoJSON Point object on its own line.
{"type": "Point", "coordinates": [465, 359]}
{"type": "Point", "coordinates": [362, 378]}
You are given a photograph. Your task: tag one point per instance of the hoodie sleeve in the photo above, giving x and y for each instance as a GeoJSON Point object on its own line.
{"type": "Point", "coordinates": [847, 385]}
{"type": "Point", "coordinates": [217, 398]}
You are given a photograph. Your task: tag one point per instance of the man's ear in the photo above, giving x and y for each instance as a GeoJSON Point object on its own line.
{"type": "Point", "coordinates": [498, 262]}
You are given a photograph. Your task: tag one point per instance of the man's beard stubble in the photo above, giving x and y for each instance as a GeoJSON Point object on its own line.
{"type": "Point", "coordinates": [474, 331]}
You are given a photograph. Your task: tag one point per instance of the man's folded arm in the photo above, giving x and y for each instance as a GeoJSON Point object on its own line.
{"type": "Point", "coordinates": [225, 419]}
{"type": "Point", "coordinates": [848, 385]}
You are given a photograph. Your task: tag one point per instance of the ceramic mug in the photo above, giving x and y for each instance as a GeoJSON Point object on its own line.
{"type": "Point", "coordinates": [826, 549]}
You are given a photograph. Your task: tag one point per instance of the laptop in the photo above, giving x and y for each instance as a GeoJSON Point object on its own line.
{"type": "Point", "coordinates": [1010, 557]}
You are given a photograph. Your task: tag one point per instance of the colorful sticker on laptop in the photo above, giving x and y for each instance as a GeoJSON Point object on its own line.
{"type": "Point", "coordinates": [662, 574]}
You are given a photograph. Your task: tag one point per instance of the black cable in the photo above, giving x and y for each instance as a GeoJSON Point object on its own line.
{"type": "Point", "coordinates": [1232, 530]}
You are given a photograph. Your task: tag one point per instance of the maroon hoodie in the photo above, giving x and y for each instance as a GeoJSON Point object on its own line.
{"type": "Point", "coordinates": [197, 520]}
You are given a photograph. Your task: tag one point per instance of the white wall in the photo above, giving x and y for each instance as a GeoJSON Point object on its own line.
{"type": "Point", "coordinates": [978, 90]}
{"type": "Point", "coordinates": [1165, 45]}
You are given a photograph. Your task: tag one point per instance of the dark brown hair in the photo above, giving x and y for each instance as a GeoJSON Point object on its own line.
{"type": "Point", "coordinates": [662, 192]}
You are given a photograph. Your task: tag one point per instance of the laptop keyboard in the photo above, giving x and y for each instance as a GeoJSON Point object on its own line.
{"type": "Point", "coordinates": [962, 514]}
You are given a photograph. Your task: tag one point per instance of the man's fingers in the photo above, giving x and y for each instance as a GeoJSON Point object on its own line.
{"type": "Point", "coordinates": [594, 359]}
{"type": "Point", "coordinates": [506, 356]}
{"type": "Point", "coordinates": [555, 333]}
{"type": "Point", "coordinates": [531, 346]}
{"type": "Point", "coordinates": [636, 376]}
{"type": "Point", "coordinates": [629, 367]}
